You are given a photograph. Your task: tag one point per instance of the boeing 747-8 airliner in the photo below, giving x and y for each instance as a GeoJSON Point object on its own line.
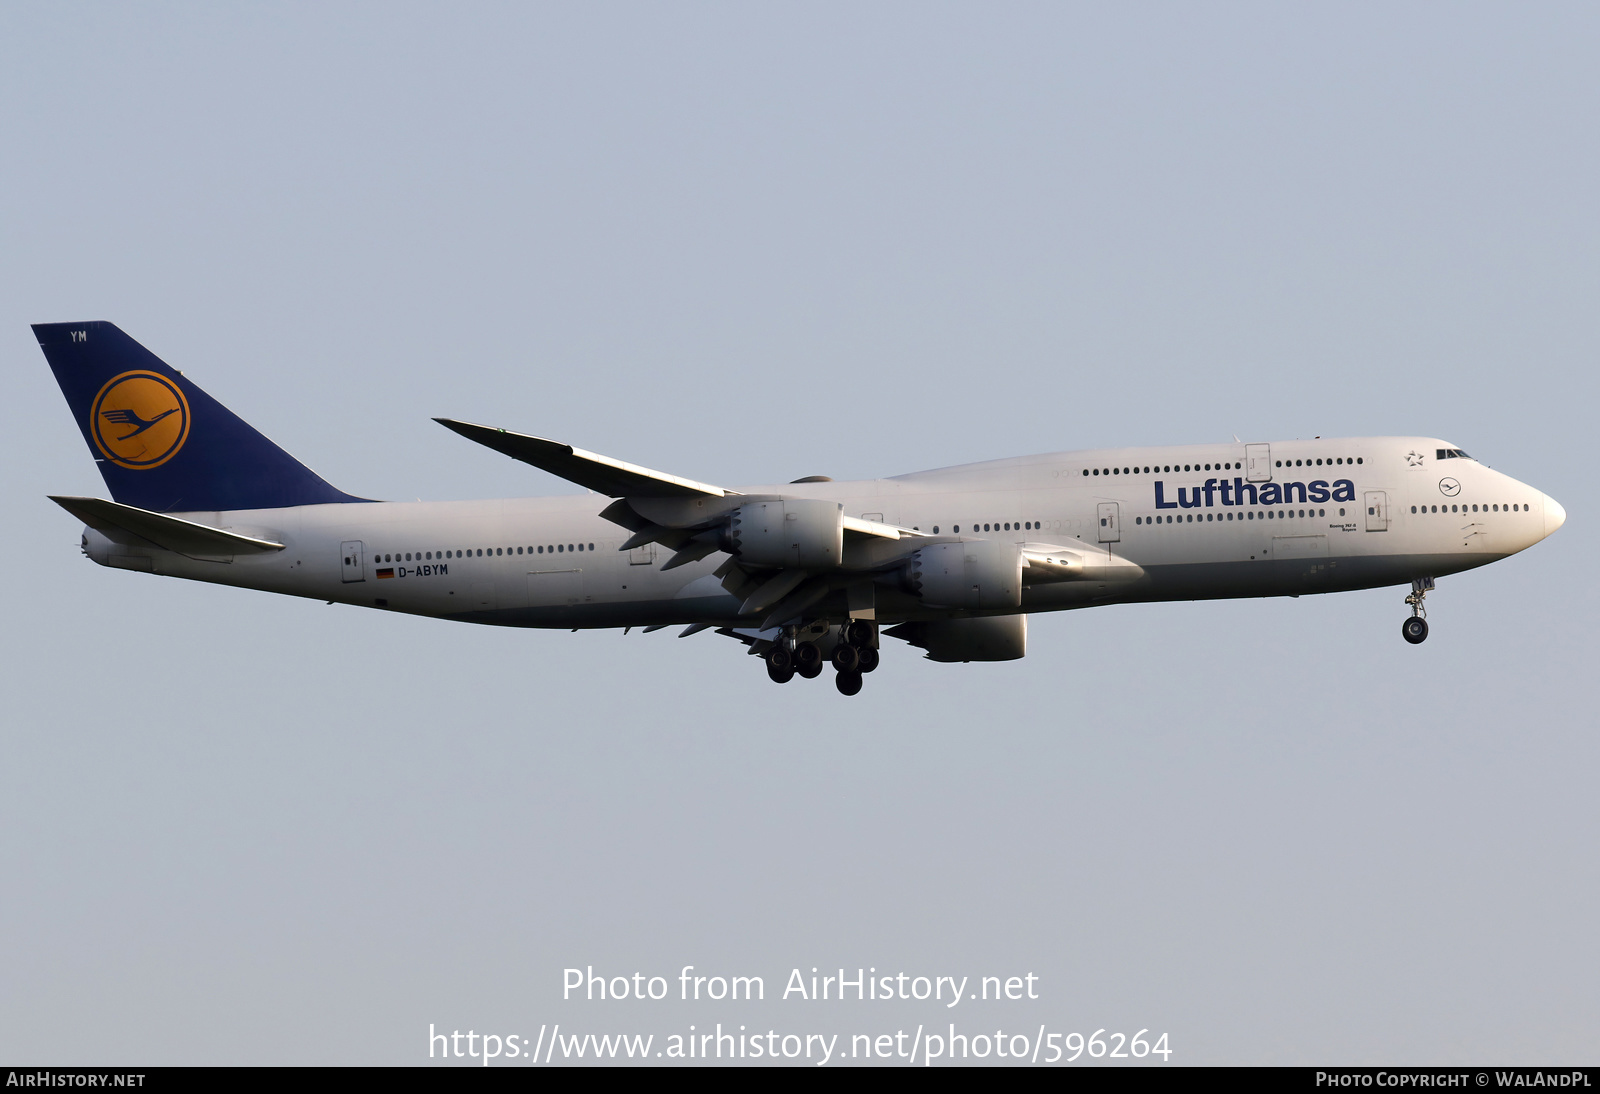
{"type": "Point", "coordinates": [802, 573]}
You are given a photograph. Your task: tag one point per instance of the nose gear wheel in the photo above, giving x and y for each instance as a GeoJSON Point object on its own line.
{"type": "Point", "coordinates": [1415, 629]}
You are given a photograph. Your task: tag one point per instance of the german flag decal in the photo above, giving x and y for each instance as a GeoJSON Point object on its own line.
{"type": "Point", "coordinates": [385, 573]}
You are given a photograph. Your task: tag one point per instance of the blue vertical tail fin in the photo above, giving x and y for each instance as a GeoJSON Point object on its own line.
{"type": "Point", "coordinates": [162, 443]}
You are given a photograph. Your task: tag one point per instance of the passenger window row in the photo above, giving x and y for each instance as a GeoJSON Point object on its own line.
{"type": "Point", "coordinates": [1256, 514]}
{"type": "Point", "coordinates": [995, 526]}
{"type": "Point", "coordinates": [1473, 509]}
{"type": "Point", "coordinates": [479, 552]}
{"type": "Point", "coordinates": [1159, 469]}
{"type": "Point", "coordinates": [1012, 526]}
{"type": "Point", "coordinates": [1167, 469]}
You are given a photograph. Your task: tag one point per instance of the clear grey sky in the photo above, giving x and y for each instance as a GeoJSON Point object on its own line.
{"type": "Point", "coordinates": [748, 243]}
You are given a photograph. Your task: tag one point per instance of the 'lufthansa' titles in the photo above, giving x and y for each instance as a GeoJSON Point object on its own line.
{"type": "Point", "coordinates": [1239, 492]}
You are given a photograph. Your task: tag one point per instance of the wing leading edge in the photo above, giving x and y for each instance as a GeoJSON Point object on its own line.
{"type": "Point", "coordinates": [602, 474]}
{"type": "Point", "coordinates": [619, 479]}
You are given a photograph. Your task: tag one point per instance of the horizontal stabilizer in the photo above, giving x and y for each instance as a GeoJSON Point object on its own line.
{"type": "Point", "coordinates": [185, 537]}
{"type": "Point", "coordinates": [601, 474]}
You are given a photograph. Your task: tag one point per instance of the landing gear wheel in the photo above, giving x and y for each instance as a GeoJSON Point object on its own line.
{"type": "Point", "coordinates": [780, 664]}
{"type": "Point", "coordinates": [868, 658]}
{"type": "Point", "coordinates": [807, 659]}
{"type": "Point", "coordinates": [848, 683]}
{"type": "Point", "coordinates": [858, 633]}
{"type": "Point", "coordinates": [845, 659]}
{"type": "Point", "coordinates": [812, 672]}
{"type": "Point", "coordinates": [1415, 629]}
{"type": "Point", "coordinates": [779, 676]}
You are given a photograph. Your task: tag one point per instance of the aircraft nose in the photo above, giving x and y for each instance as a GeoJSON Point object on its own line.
{"type": "Point", "coordinates": [1554, 515]}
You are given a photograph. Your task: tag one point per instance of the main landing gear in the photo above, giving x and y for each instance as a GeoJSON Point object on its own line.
{"type": "Point", "coordinates": [780, 663]}
{"type": "Point", "coordinates": [808, 660]}
{"type": "Point", "coordinates": [855, 652]}
{"type": "Point", "coordinates": [1415, 629]}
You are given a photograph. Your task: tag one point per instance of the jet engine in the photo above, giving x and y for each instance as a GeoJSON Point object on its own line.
{"type": "Point", "coordinates": [984, 638]}
{"type": "Point", "coordinates": [980, 574]}
{"type": "Point", "coordinates": [804, 533]}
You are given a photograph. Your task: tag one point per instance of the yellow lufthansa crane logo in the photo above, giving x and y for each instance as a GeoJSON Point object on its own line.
{"type": "Point", "coordinates": [140, 420]}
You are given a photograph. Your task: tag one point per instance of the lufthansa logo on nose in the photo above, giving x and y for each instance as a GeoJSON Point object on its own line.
{"type": "Point", "coordinates": [139, 420]}
{"type": "Point", "coordinates": [1449, 487]}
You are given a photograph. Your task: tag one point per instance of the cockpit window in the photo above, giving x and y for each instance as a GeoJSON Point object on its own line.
{"type": "Point", "coordinates": [1451, 454]}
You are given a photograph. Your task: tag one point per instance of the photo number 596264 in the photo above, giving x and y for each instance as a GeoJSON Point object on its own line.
{"type": "Point", "coordinates": [1099, 1044]}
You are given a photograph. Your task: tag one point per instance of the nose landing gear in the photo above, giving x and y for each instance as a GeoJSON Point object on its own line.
{"type": "Point", "coordinates": [1415, 629]}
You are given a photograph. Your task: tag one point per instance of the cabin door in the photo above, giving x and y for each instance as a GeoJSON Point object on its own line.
{"type": "Point", "coordinates": [1258, 462]}
{"type": "Point", "coordinates": [1110, 524]}
{"type": "Point", "coordinates": [1377, 511]}
{"type": "Point", "coordinates": [354, 567]}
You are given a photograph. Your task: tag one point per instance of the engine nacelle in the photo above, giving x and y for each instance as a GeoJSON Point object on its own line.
{"type": "Point", "coordinates": [984, 638]}
{"type": "Point", "coordinates": [981, 574]}
{"type": "Point", "coordinates": [795, 532]}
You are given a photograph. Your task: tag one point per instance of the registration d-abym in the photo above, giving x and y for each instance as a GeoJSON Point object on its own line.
{"type": "Point", "coordinates": [802, 573]}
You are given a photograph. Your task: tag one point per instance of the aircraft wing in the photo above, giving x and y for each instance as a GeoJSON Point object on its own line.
{"type": "Point", "coordinates": [118, 522]}
{"type": "Point", "coordinates": [618, 479]}
{"type": "Point", "coordinates": [690, 518]}
{"type": "Point", "coordinates": [602, 474]}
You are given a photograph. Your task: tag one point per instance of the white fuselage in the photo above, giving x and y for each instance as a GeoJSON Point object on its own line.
{"type": "Point", "coordinates": [1362, 512]}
